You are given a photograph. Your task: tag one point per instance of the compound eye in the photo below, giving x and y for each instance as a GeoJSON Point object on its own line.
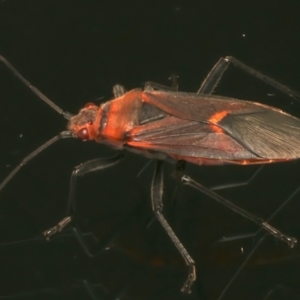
{"type": "Point", "coordinates": [89, 104]}
{"type": "Point", "coordinates": [83, 134]}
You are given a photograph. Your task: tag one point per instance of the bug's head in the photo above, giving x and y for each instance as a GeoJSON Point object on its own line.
{"type": "Point", "coordinates": [82, 125]}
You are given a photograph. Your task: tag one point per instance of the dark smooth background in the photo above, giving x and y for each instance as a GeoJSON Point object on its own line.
{"type": "Point", "coordinates": [74, 52]}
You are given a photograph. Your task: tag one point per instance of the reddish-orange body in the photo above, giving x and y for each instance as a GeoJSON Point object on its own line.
{"type": "Point", "coordinates": [197, 128]}
{"type": "Point", "coordinates": [202, 129]}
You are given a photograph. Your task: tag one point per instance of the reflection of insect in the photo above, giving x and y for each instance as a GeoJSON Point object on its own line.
{"type": "Point", "coordinates": [163, 124]}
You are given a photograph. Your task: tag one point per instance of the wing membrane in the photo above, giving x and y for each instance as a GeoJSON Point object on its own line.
{"type": "Point", "coordinates": [187, 138]}
{"type": "Point", "coordinates": [264, 131]}
{"type": "Point", "coordinates": [198, 107]}
{"type": "Point", "coordinates": [269, 134]}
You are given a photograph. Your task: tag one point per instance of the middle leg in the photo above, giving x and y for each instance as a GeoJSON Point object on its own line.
{"type": "Point", "coordinates": [157, 207]}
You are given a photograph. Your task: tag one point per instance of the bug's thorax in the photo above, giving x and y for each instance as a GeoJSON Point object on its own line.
{"type": "Point", "coordinates": [111, 122]}
{"type": "Point", "coordinates": [119, 117]}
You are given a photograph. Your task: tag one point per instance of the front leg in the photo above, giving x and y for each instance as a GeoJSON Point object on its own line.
{"type": "Point", "coordinates": [81, 170]}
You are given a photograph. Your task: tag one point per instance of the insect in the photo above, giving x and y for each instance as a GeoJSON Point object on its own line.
{"type": "Point", "coordinates": [200, 128]}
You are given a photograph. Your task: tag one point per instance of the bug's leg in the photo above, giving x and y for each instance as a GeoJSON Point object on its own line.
{"type": "Point", "coordinates": [213, 77]}
{"type": "Point", "coordinates": [118, 90]}
{"type": "Point", "coordinates": [272, 82]}
{"type": "Point", "coordinates": [220, 67]}
{"type": "Point", "coordinates": [85, 168]}
{"type": "Point", "coordinates": [291, 241]}
{"type": "Point", "coordinates": [255, 247]}
{"type": "Point", "coordinates": [157, 206]}
{"type": "Point", "coordinates": [174, 82]}
{"type": "Point", "coordinates": [150, 85]}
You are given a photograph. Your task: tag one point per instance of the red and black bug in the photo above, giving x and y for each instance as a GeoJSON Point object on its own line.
{"type": "Point", "coordinates": [163, 124]}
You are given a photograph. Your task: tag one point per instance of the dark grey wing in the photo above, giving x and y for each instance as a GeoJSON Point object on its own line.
{"type": "Point", "coordinates": [198, 107]}
{"type": "Point", "coordinates": [264, 131]}
{"type": "Point", "coordinates": [178, 137]}
{"type": "Point", "coordinates": [269, 134]}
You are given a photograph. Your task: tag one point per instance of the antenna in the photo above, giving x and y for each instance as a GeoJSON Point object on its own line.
{"type": "Point", "coordinates": [35, 90]}
{"type": "Point", "coordinates": [62, 135]}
